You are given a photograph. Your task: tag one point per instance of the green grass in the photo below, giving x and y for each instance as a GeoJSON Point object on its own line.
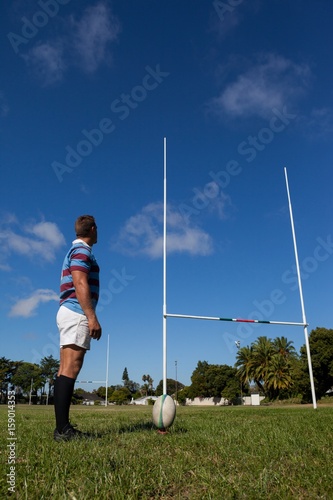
{"type": "Point", "coordinates": [209, 453]}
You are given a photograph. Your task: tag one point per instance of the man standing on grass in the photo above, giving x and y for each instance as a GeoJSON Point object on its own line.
{"type": "Point", "coordinates": [76, 319]}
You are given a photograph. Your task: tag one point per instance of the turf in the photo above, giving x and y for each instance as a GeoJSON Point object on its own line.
{"type": "Point", "coordinates": [208, 453]}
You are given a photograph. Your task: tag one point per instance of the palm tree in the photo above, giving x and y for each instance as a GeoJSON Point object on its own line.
{"type": "Point", "coordinates": [278, 377]}
{"type": "Point", "coordinates": [284, 347]}
{"type": "Point", "coordinates": [263, 351]}
{"type": "Point", "coordinates": [244, 363]}
{"type": "Point", "coordinates": [268, 363]}
{"type": "Point", "coordinates": [148, 386]}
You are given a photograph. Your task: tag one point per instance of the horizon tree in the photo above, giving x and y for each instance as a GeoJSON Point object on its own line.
{"type": "Point", "coordinates": [263, 352]}
{"type": "Point", "coordinates": [7, 370]}
{"type": "Point", "coordinates": [270, 364]}
{"type": "Point", "coordinates": [321, 348]}
{"type": "Point", "coordinates": [171, 387]}
{"type": "Point", "coordinates": [284, 347]}
{"type": "Point", "coordinates": [212, 380]}
{"type": "Point", "coordinates": [132, 386]}
{"type": "Point", "coordinates": [28, 376]}
{"type": "Point", "coordinates": [278, 377]}
{"type": "Point", "coordinates": [125, 377]}
{"type": "Point", "coordinates": [49, 368]}
{"type": "Point", "coordinates": [148, 384]}
{"type": "Point", "coordinates": [244, 363]}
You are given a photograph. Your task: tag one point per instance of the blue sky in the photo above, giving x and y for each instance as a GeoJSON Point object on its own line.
{"type": "Point", "coordinates": [88, 91]}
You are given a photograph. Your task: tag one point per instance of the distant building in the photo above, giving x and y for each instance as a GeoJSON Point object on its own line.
{"type": "Point", "coordinates": [143, 401]}
{"type": "Point", "coordinates": [253, 400]}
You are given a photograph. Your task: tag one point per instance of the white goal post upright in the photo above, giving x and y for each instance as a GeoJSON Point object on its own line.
{"type": "Point", "coordinates": [301, 295]}
{"type": "Point", "coordinates": [237, 320]}
{"type": "Point", "coordinates": [107, 372]}
{"type": "Point", "coordinates": [106, 381]}
{"type": "Point", "coordinates": [164, 278]}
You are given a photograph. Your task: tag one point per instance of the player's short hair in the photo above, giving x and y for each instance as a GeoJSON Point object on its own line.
{"type": "Point", "coordinates": [83, 225]}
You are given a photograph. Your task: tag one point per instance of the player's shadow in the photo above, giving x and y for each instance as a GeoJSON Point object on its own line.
{"type": "Point", "coordinates": [137, 427]}
{"type": "Point", "coordinates": [140, 426]}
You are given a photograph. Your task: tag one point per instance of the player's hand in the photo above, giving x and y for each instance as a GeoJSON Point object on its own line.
{"type": "Point", "coordinates": [95, 329]}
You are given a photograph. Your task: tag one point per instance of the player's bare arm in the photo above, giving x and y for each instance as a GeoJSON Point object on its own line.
{"type": "Point", "coordinates": [80, 281]}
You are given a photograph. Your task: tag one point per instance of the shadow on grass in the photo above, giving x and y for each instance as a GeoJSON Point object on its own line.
{"type": "Point", "coordinates": [149, 426]}
{"type": "Point", "coordinates": [141, 426]}
{"type": "Point", "coordinates": [138, 427]}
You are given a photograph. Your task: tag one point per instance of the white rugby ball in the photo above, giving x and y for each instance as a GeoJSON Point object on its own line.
{"type": "Point", "coordinates": [164, 412]}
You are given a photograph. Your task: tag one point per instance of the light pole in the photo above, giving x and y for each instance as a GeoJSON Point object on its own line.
{"type": "Point", "coordinates": [30, 393]}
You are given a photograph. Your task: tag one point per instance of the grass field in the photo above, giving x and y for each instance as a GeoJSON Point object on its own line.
{"type": "Point", "coordinates": [209, 453]}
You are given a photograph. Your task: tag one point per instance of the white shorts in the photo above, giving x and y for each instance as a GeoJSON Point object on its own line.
{"type": "Point", "coordinates": [73, 328]}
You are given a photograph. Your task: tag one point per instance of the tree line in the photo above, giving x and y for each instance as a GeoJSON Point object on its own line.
{"type": "Point", "coordinates": [34, 383]}
{"type": "Point", "coordinates": [130, 390]}
{"type": "Point", "coordinates": [271, 367]}
{"type": "Point", "coordinates": [30, 380]}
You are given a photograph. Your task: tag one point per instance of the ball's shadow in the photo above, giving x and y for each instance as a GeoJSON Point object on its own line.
{"type": "Point", "coordinates": [149, 426]}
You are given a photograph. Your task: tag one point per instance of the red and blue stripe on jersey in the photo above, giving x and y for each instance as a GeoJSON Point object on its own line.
{"type": "Point", "coordinates": [78, 258]}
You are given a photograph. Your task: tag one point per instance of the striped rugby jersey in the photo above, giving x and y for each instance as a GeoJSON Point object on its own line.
{"type": "Point", "coordinates": [78, 258]}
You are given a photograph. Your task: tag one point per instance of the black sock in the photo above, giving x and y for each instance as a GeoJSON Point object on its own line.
{"type": "Point", "coordinates": [63, 392]}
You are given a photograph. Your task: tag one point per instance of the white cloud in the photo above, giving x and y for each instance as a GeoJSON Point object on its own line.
{"type": "Point", "coordinates": [92, 34]}
{"type": "Point", "coordinates": [319, 123]}
{"type": "Point", "coordinates": [85, 43]}
{"type": "Point", "coordinates": [224, 19]}
{"type": "Point", "coordinates": [5, 267]}
{"type": "Point", "coordinates": [47, 62]}
{"type": "Point", "coordinates": [35, 240]}
{"type": "Point", "coordinates": [272, 82]}
{"type": "Point", "coordinates": [143, 234]}
{"type": "Point", "coordinates": [84, 189]}
{"type": "Point", "coordinates": [219, 202]}
{"type": "Point", "coordinates": [47, 231]}
{"type": "Point", "coordinates": [27, 307]}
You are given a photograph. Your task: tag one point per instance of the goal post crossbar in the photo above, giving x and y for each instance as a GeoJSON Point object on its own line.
{"type": "Point", "coordinates": [235, 320]}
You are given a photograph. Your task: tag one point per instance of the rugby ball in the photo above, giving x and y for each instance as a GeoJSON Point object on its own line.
{"type": "Point", "coordinates": [164, 412]}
